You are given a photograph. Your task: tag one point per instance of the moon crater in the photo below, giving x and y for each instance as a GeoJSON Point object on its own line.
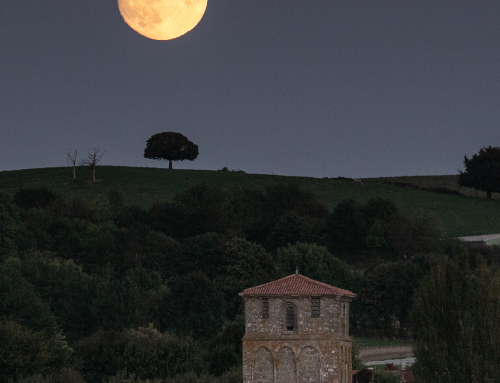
{"type": "Point", "coordinates": [162, 19]}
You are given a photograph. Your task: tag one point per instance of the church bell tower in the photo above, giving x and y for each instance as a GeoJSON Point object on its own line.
{"type": "Point", "coordinates": [297, 331]}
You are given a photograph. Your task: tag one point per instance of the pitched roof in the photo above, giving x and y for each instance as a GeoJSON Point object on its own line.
{"type": "Point", "coordinates": [296, 284]}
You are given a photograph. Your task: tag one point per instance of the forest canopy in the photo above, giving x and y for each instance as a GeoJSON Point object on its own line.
{"type": "Point", "coordinates": [100, 291]}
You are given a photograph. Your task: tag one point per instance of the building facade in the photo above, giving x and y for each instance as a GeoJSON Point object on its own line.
{"type": "Point", "coordinates": [297, 331]}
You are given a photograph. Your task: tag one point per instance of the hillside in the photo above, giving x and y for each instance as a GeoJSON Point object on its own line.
{"type": "Point", "coordinates": [461, 215]}
{"type": "Point", "coordinates": [449, 182]}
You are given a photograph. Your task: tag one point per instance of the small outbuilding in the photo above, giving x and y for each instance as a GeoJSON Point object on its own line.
{"type": "Point", "coordinates": [297, 331]}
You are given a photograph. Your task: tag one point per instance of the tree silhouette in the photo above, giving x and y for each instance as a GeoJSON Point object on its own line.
{"type": "Point", "coordinates": [92, 159]}
{"type": "Point", "coordinates": [71, 160]}
{"type": "Point", "coordinates": [170, 146]}
{"type": "Point", "coordinates": [482, 171]}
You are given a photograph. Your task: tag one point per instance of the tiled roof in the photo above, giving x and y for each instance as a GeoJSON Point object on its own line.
{"type": "Point", "coordinates": [296, 284]}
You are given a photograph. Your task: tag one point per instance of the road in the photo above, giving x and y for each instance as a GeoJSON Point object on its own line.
{"type": "Point", "coordinates": [369, 354]}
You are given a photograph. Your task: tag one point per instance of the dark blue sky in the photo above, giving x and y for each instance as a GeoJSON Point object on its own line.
{"type": "Point", "coordinates": [320, 88]}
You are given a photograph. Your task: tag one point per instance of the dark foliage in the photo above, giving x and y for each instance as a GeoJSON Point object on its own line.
{"type": "Point", "coordinates": [410, 236]}
{"type": "Point", "coordinates": [317, 263]}
{"type": "Point", "coordinates": [39, 198]}
{"type": "Point", "coordinates": [66, 375]}
{"type": "Point", "coordinates": [79, 209]}
{"type": "Point", "coordinates": [117, 281]}
{"type": "Point", "coordinates": [490, 253]}
{"type": "Point", "coordinates": [482, 171]}
{"type": "Point", "coordinates": [135, 298]}
{"type": "Point", "coordinates": [196, 306]}
{"type": "Point", "coordinates": [365, 233]}
{"type": "Point", "coordinates": [225, 350]}
{"type": "Point", "coordinates": [116, 200]}
{"type": "Point", "coordinates": [287, 214]}
{"type": "Point", "coordinates": [384, 302]}
{"type": "Point", "coordinates": [363, 376]}
{"type": "Point", "coordinates": [234, 264]}
{"type": "Point", "coordinates": [20, 302]}
{"type": "Point", "coordinates": [199, 210]}
{"type": "Point", "coordinates": [25, 352]}
{"type": "Point", "coordinates": [243, 264]}
{"type": "Point", "coordinates": [145, 352]}
{"type": "Point", "coordinates": [66, 290]}
{"type": "Point", "coordinates": [456, 337]}
{"type": "Point", "coordinates": [131, 216]}
{"type": "Point", "coordinates": [355, 230]}
{"type": "Point", "coordinates": [11, 228]}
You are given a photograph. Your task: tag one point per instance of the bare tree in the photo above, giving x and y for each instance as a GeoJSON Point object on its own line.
{"type": "Point", "coordinates": [93, 159]}
{"type": "Point", "coordinates": [71, 160]}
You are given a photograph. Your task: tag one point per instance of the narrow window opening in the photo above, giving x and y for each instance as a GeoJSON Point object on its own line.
{"type": "Point", "coordinates": [265, 308]}
{"type": "Point", "coordinates": [315, 307]}
{"type": "Point", "coordinates": [290, 318]}
{"type": "Point", "coordinates": [343, 318]}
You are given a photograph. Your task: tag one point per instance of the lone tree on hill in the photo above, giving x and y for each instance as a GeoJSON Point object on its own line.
{"type": "Point", "coordinates": [71, 160]}
{"type": "Point", "coordinates": [170, 146]}
{"type": "Point", "coordinates": [482, 171]}
{"type": "Point", "coordinates": [93, 159]}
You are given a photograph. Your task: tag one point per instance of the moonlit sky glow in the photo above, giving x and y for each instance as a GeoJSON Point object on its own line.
{"type": "Point", "coordinates": [321, 88]}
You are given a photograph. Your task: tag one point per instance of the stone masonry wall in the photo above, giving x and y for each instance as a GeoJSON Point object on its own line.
{"type": "Point", "coordinates": [318, 350]}
{"type": "Point", "coordinates": [293, 360]}
{"type": "Point", "coordinates": [332, 319]}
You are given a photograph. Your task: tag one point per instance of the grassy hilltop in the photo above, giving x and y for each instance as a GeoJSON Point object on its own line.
{"type": "Point", "coordinates": [461, 215]}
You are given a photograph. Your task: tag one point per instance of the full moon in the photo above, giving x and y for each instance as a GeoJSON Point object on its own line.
{"type": "Point", "coordinates": [162, 19]}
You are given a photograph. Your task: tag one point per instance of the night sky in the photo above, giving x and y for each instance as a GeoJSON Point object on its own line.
{"type": "Point", "coordinates": [319, 88]}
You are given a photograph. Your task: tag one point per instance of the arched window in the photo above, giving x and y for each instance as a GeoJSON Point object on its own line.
{"type": "Point", "coordinates": [309, 365]}
{"type": "Point", "coordinates": [291, 318]}
{"type": "Point", "coordinates": [264, 366]}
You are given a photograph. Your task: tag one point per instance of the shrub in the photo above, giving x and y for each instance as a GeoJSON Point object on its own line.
{"type": "Point", "coordinates": [146, 353]}
{"type": "Point", "coordinates": [66, 375]}
{"type": "Point", "coordinates": [234, 375]}
{"type": "Point", "coordinates": [384, 376]}
{"type": "Point", "coordinates": [196, 306]}
{"type": "Point", "coordinates": [314, 261]}
{"type": "Point", "coordinates": [38, 378]}
{"type": "Point", "coordinates": [25, 352]}
{"type": "Point", "coordinates": [9, 229]}
{"type": "Point", "coordinates": [357, 364]}
{"type": "Point", "coordinates": [40, 198]}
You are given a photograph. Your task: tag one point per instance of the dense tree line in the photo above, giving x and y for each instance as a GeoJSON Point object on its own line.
{"type": "Point", "coordinates": [100, 291]}
{"type": "Point", "coordinates": [455, 321]}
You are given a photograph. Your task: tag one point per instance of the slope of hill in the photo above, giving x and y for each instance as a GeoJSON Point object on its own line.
{"type": "Point", "coordinates": [449, 182]}
{"type": "Point", "coordinates": [461, 215]}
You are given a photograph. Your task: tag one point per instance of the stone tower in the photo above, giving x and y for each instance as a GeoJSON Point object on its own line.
{"type": "Point", "coordinates": [296, 331]}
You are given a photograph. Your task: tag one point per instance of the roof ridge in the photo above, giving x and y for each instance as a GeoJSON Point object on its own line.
{"type": "Point", "coordinates": [312, 280]}
{"type": "Point", "coordinates": [253, 287]}
{"type": "Point", "coordinates": [325, 284]}
{"type": "Point", "coordinates": [302, 286]}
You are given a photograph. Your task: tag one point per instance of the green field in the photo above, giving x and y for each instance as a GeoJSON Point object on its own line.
{"type": "Point", "coordinates": [448, 182]}
{"type": "Point", "coordinates": [461, 215]}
